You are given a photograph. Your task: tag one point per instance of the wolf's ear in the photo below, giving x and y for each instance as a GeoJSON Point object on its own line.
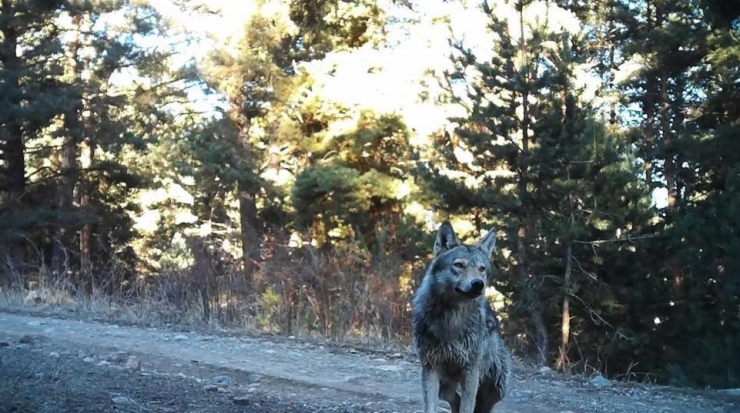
{"type": "Point", "coordinates": [446, 239]}
{"type": "Point", "coordinates": [487, 243]}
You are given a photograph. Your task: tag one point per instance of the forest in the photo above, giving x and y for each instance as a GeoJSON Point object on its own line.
{"type": "Point", "coordinates": [284, 165]}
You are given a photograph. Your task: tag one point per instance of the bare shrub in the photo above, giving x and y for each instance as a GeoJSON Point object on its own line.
{"type": "Point", "coordinates": [340, 294]}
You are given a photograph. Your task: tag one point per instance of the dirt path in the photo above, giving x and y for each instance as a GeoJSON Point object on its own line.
{"type": "Point", "coordinates": [278, 375]}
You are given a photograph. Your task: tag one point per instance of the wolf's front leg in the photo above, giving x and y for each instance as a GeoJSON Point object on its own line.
{"type": "Point", "coordinates": [469, 389]}
{"type": "Point", "coordinates": [430, 389]}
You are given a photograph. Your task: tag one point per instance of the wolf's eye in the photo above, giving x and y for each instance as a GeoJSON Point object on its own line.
{"type": "Point", "coordinates": [459, 264]}
{"type": "Point", "coordinates": [481, 268]}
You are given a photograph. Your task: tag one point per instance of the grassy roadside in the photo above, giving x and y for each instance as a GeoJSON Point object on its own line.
{"type": "Point", "coordinates": [150, 312]}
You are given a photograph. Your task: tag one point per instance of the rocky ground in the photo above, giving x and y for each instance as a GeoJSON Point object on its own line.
{"type": "Point", "coordinates": [64, 365]}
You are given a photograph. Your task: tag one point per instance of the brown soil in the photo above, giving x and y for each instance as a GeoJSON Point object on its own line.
{"type": "Point", "coordinates": [54, 365]}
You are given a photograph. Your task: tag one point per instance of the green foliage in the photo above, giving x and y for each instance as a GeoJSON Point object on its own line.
{"type": "Point", "coordinates": [360, 175]}
{"type": "Point", "coordinates": [599, 139]}
{"type": "Point", "coordinates": [552, 177]}
{"type": "Point", "coordinates": [328, 190]}
{"type": "Point", "coordinates": [325, 26]}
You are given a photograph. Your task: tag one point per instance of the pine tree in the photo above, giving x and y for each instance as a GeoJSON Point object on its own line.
{"type": "Point", "coordinates": [78, 124]}
{"type": "Point", "coordinates": [354, 187]}
{"type": "Point", "coordinates": [533, 158]}
{"type": "Point", "coordinates": [260, 76]}
{"type": "Point", "coordinates": [497, 135]}
{"type": "Point", "coordinates": [30, 95]}
{"type": "Point", "coordinates": [250, 79]}
{"type": "Point", "coordinates": [703, 232]}
{"type": "Point", "coordinates": [111, 120]}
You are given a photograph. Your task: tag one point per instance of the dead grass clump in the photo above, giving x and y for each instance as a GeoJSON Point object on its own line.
{"type": "Point", "coordinates": [341, 294]}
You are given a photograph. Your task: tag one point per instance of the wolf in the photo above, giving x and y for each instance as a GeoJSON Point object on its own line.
{"type": "Point", "coordinates": [464, 360]}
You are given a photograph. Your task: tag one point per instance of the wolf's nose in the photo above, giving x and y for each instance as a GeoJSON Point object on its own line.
{"type": "Point", "coordinates": [476, 285]}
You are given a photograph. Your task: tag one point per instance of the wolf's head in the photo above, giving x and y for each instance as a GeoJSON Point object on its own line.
{"type": "Point", "coordinates": [462, 271]}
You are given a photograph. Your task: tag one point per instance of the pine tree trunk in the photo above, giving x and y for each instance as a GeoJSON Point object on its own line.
{"type": "Point", "coordinates": [668, 162]}
{"type": "Point", "coordinates": [562, 362]}
{"type": "Point", "coordinates": [245, 192]}
{"type": "Point", "coordinates": [249, 236]}
{"type": "Point", "coordinates": [665, 125]}
{"type": "Point", "coordinates": [649, 109]}
{"type": "Point", "coordinates": [530, 297]}
{"type": "Point", "coordinates": [611, 68]}
{"type": "Point", "coordinates": [62, 239]}
{"type": "Point", "coordinates": [678, 105]}
{"type": "Point", "coordinates": [13, 149]}
{"type": "Point", "coordinates": [86, 158]}
{"type": "Point", "coordinates": [532, 302]}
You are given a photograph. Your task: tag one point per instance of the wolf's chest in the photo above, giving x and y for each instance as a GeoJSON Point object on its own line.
{"type": "Point", "coordinates": [451, 356]}
{"type": "Point", "coordinates": [453, 353]}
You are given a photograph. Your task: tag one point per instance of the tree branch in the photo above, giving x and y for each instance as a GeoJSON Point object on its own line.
{"type": "Point", "coordinates": [629, 239]}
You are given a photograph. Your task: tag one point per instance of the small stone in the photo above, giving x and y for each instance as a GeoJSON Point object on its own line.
{"type": "Point", "coordinates": [210, 388]}
{"type": "Point", "coordinates": [89, 360]}
{"type": "Point", "coordinates": [133, 363]}
{"type": "Point", "coordinates": [180, 337]}
{"type": "Point", "coordinates": [28, 339]}
{"type": "Point", "coordinates": [117, 357]}
{"type": "Point", "coordinates": [241, 400]}
{"type": "Point", "coordinates": [4, 344]}
{"type": "Point", "coordinates": [600, 381]}
{"type": "Point", "coordinates": [222, 381]}
{"type": "Point", "coordinates": [122, 400]}
{"type": "Point", "coordinates": [519, 398]}
{"type": "Point", "coordinates": [33, 298]}
{"type": "Point", "coordinates": [104, 363]}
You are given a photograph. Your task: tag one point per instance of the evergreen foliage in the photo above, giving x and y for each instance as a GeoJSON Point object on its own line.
{"type": "Point", "coordinates": [291, 161]}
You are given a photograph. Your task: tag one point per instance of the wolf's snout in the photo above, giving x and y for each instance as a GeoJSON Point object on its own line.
{"type": "Point", "coordinates": [472, 289]}
{"type": "Point", "coordinates": [476, 286]}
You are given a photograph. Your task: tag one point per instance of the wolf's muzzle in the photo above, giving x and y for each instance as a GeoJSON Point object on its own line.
{"type": "Point", "coordinates": [472, 289]}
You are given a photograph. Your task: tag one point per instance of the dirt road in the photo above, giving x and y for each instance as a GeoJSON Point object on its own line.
{"type": "Point", "coordinates": [55, 365]}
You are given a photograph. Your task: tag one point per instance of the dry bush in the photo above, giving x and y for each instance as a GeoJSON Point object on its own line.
{"type": "Point", "coordinates": [341, 294]}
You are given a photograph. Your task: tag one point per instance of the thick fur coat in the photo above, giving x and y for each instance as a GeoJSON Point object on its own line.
{"type": "Point", "coordinates": [456, 334]}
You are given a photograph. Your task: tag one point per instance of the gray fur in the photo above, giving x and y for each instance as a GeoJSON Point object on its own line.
{"type": "Point", "coordinates": [464, 360]}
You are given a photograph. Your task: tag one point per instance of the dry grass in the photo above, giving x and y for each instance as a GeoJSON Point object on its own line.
{"type": "Point", "coordinates": [343, 296]}
{"type": "Point", "coordinates": [339, 295]}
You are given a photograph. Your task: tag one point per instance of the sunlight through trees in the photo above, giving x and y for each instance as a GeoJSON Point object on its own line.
{"type": "Point", "coordinates": [285, 163]}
